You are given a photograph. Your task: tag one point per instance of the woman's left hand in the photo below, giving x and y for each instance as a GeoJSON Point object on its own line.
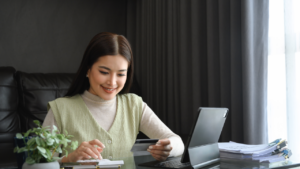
{"type": "Point", "coordinates": [161, 150]}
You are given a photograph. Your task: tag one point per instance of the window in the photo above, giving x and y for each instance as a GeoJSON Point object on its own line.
{"type": "Point", "coordinates": [284, 72]}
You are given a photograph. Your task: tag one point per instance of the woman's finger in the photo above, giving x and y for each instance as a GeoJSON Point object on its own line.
{"type": "Point", "coordinates": [158, 157]}
{"type": "Point", "coordinates": [94, 149]}
{"type": "Point", "coordinates": [165, 141]}
{"type": "Point", "coordinates": [97, 142]}
{"type": "Point", "coordinates": [99, 149]}
{"type": "Point", "coordinates": [84, 156]}
{"type": "Point", "coordinates": [159, 152]}
{"type": "Point", "coordinates": [160, 147]}
{"type": "Point", "coordinates": [89, 150]}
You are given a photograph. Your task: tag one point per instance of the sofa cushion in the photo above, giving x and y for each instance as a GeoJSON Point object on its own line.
{"type": "Point", "coordinates": [36, 90]}
{"type": "Point", "coordinates": [9, 119]}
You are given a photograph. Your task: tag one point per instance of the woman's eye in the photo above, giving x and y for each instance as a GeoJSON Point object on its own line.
{"type": "Point", "coordinates": [121, 74]}
{"type": "Point", "coordinates": [105, 73]}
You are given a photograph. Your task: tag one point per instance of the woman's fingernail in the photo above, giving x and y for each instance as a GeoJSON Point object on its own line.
{"type": "Point", "coordinates": [158, 143]}
{"type": "Point", "coordinates": [96, 157]}
{"type": "Point", "coordinates": [148, 150]}
{"type": "Point", "coordinates": [150, 147]}
{"type": "Point", "coordinates": [90, 157]}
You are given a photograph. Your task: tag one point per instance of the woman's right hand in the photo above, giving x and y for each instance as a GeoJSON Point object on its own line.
{"type": "Point", "coordinates": [86, 150]}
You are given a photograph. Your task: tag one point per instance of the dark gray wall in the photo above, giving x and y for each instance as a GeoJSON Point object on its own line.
{"type": "Point", "coordinates": [51, 35]}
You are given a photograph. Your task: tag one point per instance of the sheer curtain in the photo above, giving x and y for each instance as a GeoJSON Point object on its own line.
{"type": "Point", "coordinates": [284, 72]}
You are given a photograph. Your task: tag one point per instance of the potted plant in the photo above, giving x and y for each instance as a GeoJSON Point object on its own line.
{"type": "Point", "coordinates": [42, 146]}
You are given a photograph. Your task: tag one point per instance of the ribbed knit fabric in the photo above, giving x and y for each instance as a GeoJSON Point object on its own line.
{"type": "Point", "coordinates": [71, 114]}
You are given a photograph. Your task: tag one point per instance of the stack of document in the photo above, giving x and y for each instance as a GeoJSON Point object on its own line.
{"type": "Point", "coordinates": [267, 153]}
{"type": "Point", "coordinates": [94, 163]}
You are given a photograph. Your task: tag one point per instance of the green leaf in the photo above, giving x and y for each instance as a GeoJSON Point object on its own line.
{"type": "Point", "coordinates": [54, 128]}
{"type": "Point", "coordinates": [44, 155]}
{"type": "Point", "coordinates": [57, 140]}
{"type": "Point", "coordinates": [70, 136]}
{"type": "Point", "coordinates": [43, 143]}
{"type": "Point", "coordinates": [58, 149]}
{"type": "Point", "coordinates": [66, 133]}
{"type": "Point", "coordinates": [56, 158]}
{"type": "Point", "coordinates": [66, 153]}
{"type": "Point", "coordinates": [19, 136]}
{"type": "Point", "coordinates": [32, 148]}
{"type": "Point", "coordinates": [48, 135]}
{"type": "Point", "coordinates": [50, 141]}
{"type": "Point", "coordinates": [49, 154]}
{"type": "Point", "coordinates": [31, 141]}
{"type": "Point", "coordinates": [74, 145]}
{"type": "Point", "coordinates": [30, 160]}
{"type": "Point", "coordinates": [27, 133]}
{"type": "Point", "coordinates": [42, 135]}
{"type": "Point", "coordinates": [38, 141]}
{"type": "Point", "coordinates": [16, 149]}
{"type": "Point", "coordinates": [23, 149]}
{"type": "Point", "coordinates": [41, 149]}
{"type": "Point", "coordinates": [65, 143]}
{"type": "Point", "coordinates": [59, 136]}
{"type": "Point", "coordinates": [37, 122]}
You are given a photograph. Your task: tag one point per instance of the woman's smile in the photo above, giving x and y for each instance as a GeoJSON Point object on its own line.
{"type": "Point", "coordinates": [108, 90]}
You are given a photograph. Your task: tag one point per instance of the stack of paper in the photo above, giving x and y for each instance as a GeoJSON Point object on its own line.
{"type": "Point", "coordinates": [273, 152]}
{"type": "Point", "coordinates": [94, 163]}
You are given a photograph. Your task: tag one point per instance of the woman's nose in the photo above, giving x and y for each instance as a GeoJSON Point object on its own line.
{"type": "Point", "coordinates": [112, 80]}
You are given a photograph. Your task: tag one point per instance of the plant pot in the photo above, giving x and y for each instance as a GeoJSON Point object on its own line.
{"type": "Point", "coordinates": [51, 165]}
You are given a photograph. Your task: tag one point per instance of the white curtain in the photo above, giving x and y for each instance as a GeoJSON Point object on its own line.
{"type": "Point", "coordinates": [284, 72]}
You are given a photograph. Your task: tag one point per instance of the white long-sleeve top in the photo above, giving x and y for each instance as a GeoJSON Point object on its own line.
{"type": "Point", "coordinates": [104, 112]}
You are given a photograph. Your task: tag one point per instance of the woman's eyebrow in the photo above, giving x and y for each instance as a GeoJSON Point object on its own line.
{"type": "Point", "coordinates": [122, 70]}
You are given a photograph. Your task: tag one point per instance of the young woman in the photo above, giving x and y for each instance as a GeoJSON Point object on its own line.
{"type": "Point", "coordinates": [100, 113]}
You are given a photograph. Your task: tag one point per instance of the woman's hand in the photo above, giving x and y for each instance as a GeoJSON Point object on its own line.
{"type": "Point", "coordinates": [86, 150]}
{"type": "Point", "coordinates": [161, 150]}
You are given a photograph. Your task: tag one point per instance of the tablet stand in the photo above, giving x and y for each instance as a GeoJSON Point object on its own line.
{"type": "Point", "coordinates": [204, 155]}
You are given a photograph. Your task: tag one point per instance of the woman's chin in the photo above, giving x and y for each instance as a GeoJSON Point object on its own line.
{"type": "Point", "coordinates": [107, 96]}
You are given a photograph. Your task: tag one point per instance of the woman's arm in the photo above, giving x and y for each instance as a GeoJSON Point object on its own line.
{"type": "Point", "coordinates": [50, 121]}
{"type": "Point", "coordinates": [153, 127]}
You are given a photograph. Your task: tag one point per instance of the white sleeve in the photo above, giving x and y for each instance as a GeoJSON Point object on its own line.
{"type": "Point", "coordinates": [154, 128]}
{"type": "Point", "coordinates": [50, 121]}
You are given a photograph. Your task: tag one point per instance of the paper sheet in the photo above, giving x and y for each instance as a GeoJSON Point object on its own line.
{"type": "Point", "coordinates": [103, 162]}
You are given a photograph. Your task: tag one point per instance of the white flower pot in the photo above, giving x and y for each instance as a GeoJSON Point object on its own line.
{"type": "Point", "coordinates": [51, 165]}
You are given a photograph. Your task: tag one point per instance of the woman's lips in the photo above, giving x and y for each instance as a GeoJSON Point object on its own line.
{"type": "Point", "coordinates": [108, 90]}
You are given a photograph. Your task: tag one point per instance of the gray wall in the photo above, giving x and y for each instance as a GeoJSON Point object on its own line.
{"type": "Point", "coordinates": [50, 36]}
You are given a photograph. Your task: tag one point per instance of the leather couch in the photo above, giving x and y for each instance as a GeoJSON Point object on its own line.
{"type": "Point", "coordinates": [24, 98]}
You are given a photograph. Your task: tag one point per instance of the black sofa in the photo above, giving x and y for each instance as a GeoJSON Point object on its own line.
{"type": "Point", "coordinates": [24, 98]}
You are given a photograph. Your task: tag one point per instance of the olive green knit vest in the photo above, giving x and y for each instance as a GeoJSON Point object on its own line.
{"type": "Point", "coordinates": [71, 114]}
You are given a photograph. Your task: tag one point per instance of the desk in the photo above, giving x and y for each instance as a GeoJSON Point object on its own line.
{"type": "Point", "coordinates": [132, 163]}
{"type": "Point", "coordinates": [221, 165]}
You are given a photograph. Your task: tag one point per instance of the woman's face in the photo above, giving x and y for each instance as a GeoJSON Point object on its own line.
{"type": "Point", "coordinates": [107, 76]}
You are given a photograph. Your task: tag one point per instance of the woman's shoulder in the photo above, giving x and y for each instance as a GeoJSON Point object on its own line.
{"type": "Point", "coordinates": [131, 97]}
{"type": "Point", "coordinates": [67, 98]}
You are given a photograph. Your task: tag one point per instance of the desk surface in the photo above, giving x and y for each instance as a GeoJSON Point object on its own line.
{"type": "Point", "coordinates": [133, 163]}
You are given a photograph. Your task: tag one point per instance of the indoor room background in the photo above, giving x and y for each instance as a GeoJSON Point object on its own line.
{"type": "Point", "coordinates": [188, 53]}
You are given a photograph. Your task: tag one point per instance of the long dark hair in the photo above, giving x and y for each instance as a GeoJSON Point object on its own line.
{"type": "Point", "coordinates": [102, 44]}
